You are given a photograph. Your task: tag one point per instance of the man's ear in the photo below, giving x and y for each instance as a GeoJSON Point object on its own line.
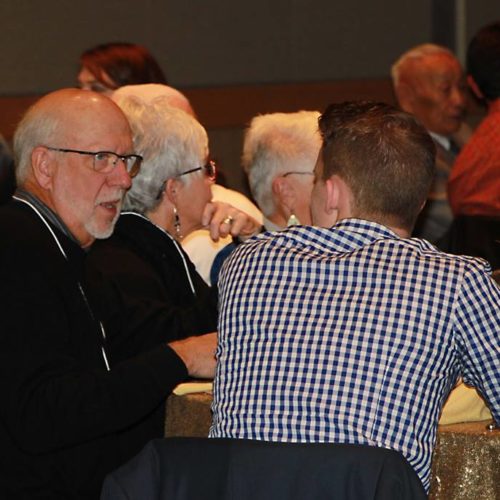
{"type": "Point", "coordinates": [474, 87]}
{"type": "Point", "coordinates": [405, 96]}
{"type": "Point", "coordinates": [43, 167]}
{"type": "Point", "coordinates": [332, 194]}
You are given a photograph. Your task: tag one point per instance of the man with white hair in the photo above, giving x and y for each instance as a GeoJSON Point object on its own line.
{"type": "Point", "coordinates": [429, 83]}
{"type": "Point", "coordinates": [69, 413]}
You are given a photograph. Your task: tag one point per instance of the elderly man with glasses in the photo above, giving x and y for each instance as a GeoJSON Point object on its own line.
{"type": "Point", "coordinates": [70, 414]}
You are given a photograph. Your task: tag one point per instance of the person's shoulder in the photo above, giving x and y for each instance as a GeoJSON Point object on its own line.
{"type": "Point", "coordinates": [18, 222]}
{"type": "Point", "coordinates": [447, 261]}
{"type": "Point", "coordinates": [25, 242]}
{"type": "Point", "coordinates": [480, 141]}
{"type": "Point", "coordinates": [110, 253]}
{"type": "Point", "coordinates": [297, 237]}
{"type": "Point", "coordinates": [135, 242]}
{"type": "Point", "coordinates": [130, 231]}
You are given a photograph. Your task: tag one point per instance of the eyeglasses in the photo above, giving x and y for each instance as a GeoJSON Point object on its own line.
{"type": "Point", "coordinates": [286, 174]}
{"type": "Point", "coordinates": [106, 161]}
{"type": "Point", "coordinates": [210, 169]}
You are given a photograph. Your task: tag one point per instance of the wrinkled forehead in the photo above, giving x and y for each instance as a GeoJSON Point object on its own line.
{"type": "Point", "coordinates": [440, 67]}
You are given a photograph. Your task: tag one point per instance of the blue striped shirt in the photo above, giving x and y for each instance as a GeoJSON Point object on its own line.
{"type": "Point", "coordinates": [351, 335]}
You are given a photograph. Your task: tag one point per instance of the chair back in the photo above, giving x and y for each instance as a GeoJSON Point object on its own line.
{"type": "Point", "coordinates": [234, 469]}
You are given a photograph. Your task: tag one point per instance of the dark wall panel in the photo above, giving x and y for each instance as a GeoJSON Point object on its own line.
{"type": "Point", "coordinates": [201, 43]}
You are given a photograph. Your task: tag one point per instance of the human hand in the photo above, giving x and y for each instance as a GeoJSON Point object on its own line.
{"type": "Point", "coordinates": [223, 219]}
{"type": "Point", "coordinates": [198, 354]}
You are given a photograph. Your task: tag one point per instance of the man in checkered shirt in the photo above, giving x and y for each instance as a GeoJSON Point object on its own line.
{"type": "Point", "coordinates": [351, 332]}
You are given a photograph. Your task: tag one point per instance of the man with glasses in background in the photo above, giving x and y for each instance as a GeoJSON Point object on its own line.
{"type": "Point", "coordinates": [70, 415]}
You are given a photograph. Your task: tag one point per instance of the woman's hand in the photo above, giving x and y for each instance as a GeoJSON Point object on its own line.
{"type": "Point", "coordinates": [222, 219]}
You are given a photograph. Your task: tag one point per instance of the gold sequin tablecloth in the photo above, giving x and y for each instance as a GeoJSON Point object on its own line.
{"type": "Point", "coordinates": [466, 463]}
{"type": "Point", "coordinates": [188, 415]}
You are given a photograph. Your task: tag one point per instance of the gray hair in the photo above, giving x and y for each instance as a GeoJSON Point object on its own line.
{"type": "Point", "coordinates": [277, 143]}
{"type": "Point", "coordinates": [170, 141]}
{"type": "Point", "coordinates": [37, 127]}
{"type": "Point", "coordinates": [148, 92]}
{"type": "Point", "coordinates": [415, 53]}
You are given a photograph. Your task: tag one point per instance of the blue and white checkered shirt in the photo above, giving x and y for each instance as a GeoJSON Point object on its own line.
{"type": "Point", "coordinates": [351, 335]}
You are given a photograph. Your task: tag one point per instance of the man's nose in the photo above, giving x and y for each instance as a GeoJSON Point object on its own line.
{"type": "Point", "coordinates": [120, 176]}
{"type": "Point", "coordinates": [458, 97]}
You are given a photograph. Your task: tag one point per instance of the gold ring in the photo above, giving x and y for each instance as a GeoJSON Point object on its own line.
{"type": "Point", "coordinates": [228, 220]}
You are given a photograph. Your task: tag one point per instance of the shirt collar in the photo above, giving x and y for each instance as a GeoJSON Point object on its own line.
{"type": "Point", "coordinates": [345, 236]}
{"type": "Point", "coordinates": [355, 233]}
{"type": "Point", "coordinates": [47, 213]}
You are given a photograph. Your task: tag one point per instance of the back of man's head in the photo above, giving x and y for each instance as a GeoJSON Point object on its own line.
{"type": "Point", "coordinates": [384, 156]}
{"type": "Point", "coordinates": [483, 60]}
{"type": "Point", "coordinates": [277, 143]}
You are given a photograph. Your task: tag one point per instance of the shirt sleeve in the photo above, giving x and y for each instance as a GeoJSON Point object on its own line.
{"type": "Point", "coordinates": [477, 325]}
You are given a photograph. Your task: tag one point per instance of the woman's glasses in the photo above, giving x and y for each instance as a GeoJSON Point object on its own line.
{"type": "Point", "coordinates": [209, 168]}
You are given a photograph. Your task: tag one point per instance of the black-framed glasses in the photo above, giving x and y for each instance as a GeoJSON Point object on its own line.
{"type": "Point", "coordinates": [210, 170]}
{"type": "Point", "coordinates": [286, 174]}
{"type": "Point", "coordinates": [106, 161]}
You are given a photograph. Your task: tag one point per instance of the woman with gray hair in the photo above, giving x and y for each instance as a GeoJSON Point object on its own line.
{"type": "Point", "coordinates": [142, 272]}
{"type": "Point", "coordinates": [279, 154]}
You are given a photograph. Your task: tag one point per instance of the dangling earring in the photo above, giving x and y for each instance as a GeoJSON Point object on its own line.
{"type": "Point", "coordinates": [177, 225]}
{"type": "Point", "coordinates": [292, 221]}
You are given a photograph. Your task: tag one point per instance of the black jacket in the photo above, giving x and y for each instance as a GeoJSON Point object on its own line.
{"type": "Point", "coordinates": [141, 278]}
{"type": "Point", "coordinates": [65, 421]}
